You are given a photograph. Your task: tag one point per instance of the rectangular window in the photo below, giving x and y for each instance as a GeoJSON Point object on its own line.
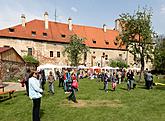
{"type": "Point", "coordinates": [58, 54]}
{"type": "Point", "coordinates": [11, 29]}
{"type": "Point", "coordinates": [85, 55]}
{"type": "Point", "coordinates": [51, 53]}
{"type": "Point", "coordinates": [29, 51]}
{"type": "Point", "coordinates": [120, 56]}
{"type": "Point", "coordinates": [33, 33]}
{"type": "Point", "coordinates": [106, 57]}
{"type": "Point", "coordinates": [45, 34]}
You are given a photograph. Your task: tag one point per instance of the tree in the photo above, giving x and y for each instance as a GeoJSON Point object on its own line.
{"type": "Point", "coordinates": [137, 35]}
{"type": "Point", "coordinates": [75, 49]}
{"type": "Point", "coordinates": [118, 63]}
{"type": "Point", "coordinates": [159, 54]}
{"type": "Point", "coordinates": [30, 59]}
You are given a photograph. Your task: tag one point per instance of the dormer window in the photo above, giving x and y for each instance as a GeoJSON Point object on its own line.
{"type": "Point", "coordinates": [115, 43]}
{"type": "Point", "coordinates": [45, 34]}
{"type": "Point", "coordinates": [94, 41]}
{"type": "Point", "coordinates": [33, 33]}
{"type": "Point", "coordinates": [107, 43]}
{"type": "Point", "coordinates": [63, 35]}
{"type": "Point", "coordinates": [11, 29]}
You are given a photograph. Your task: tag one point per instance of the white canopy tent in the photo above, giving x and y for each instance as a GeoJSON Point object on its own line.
{"type": "Point", "coordinates": [95, 67]}
{"type": "Point", "coordinates": [82, 67]}
{"type": "Point", "coordinates": [47, 68]}
{"type": "Point", "coordinates": [110, 69]}
{"type": "Point", "coordinates": [51, 67]}
{"type": "Point", "coordinates": [107, 67]}
{"type": "Point", "coordinates": [135, 69]}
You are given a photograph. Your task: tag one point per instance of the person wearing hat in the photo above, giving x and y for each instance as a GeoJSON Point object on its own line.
{"type": "Point", "coordinates": [35, 93]}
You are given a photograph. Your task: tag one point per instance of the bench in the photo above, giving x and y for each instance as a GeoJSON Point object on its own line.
{"type": "Point", "coordinates": [10, 92]}
{"type": "Point", "coordinates": [2, 87]}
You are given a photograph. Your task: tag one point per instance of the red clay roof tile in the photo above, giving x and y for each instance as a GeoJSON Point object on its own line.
{"type": "Point", "coordinates": [3, 49]}
{"type": "Point", "coordinates": [56, 29]}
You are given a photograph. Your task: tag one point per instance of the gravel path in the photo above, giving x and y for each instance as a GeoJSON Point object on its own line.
{"type": "Point", "coordinates": [13, 85]}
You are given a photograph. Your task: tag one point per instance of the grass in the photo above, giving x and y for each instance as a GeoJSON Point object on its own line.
{"type": "Point", "coordinates": [94, 104]}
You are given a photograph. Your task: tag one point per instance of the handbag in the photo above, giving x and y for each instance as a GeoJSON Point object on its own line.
{"type": "Point", "coordinates": [75, 84]}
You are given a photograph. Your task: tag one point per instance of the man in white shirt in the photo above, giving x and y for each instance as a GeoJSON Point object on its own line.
{"type": "Point", "coordinates": [35, 93]}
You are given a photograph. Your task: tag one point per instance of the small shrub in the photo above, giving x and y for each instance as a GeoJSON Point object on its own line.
{"type": "Point", "coordinates": [118, 63]}
{"type": "Point", "coordinates": [30, 59]}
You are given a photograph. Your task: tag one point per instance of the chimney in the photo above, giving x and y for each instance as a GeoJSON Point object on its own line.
{"type": "Point", "coordinates": [118, 26]}
{"type": "Point", "coordinates": [70, 24]}
{"type": "Point", "coordinates": [104, 27]}
{"type": "Point", "coordinates": [23, 18]}
{"type": "Point", "coordinates": [46, 20]}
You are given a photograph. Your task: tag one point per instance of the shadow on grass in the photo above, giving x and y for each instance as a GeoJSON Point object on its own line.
{"type": "Point", "coordinates": [42, 112]}
{"type": "Point", "coordinates": [4, 98]}
{"type": "Point", "coordinates": [160, 87]}
{"type": "Point", "coordinates": [124, 88]}
{"type": "Point", "coordinates": [142, 87]}
{"type": "Point", "coordinates": [101, 89]}
{"type": "Point", "coordinates": [107, 89]}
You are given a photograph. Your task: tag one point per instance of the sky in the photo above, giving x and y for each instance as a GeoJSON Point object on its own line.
{"type": "Point", "coordinates": [83, 12]}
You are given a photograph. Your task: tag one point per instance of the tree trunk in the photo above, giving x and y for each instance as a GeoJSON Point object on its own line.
{"type": "Point", "coordinates": [142, 70]}
{"type": "Point", "coordinates": [142, 67]}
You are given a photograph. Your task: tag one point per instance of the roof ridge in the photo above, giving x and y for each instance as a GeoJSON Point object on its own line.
{"type": "Point", "coordinates": [73, 24]}
{"type": "Point", "coordinates": [58, 23]}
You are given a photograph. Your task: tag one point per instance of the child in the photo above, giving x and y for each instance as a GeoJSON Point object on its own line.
{"type": "Point", "coordinates": [114, 81]}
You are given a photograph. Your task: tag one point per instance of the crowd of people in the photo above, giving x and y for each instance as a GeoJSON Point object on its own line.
{"type": "Point", "coordinates": [68, 79]}
{"type": "Point", "coordinates": [35, 84]}
{"type": "Point", "coordinates": [118, 76]}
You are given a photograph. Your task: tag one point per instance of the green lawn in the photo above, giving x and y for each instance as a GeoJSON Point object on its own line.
{"type": "Point", "coordinates": [94, 104]}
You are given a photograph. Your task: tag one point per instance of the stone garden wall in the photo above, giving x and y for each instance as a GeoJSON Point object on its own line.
{"type": "Point", "coordinates": [11, 70]}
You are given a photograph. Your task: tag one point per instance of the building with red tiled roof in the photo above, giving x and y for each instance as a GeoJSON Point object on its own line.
{"type": "Point", "coordinates": [45, 40]}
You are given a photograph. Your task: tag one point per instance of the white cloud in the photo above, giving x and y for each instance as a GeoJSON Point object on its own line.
{"type": "Point", "coordinates": [12, 16]}
{"type": "Point", "coordinates": [74, 9]}
{"type": "Point", "coordinates": [162, 9]}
